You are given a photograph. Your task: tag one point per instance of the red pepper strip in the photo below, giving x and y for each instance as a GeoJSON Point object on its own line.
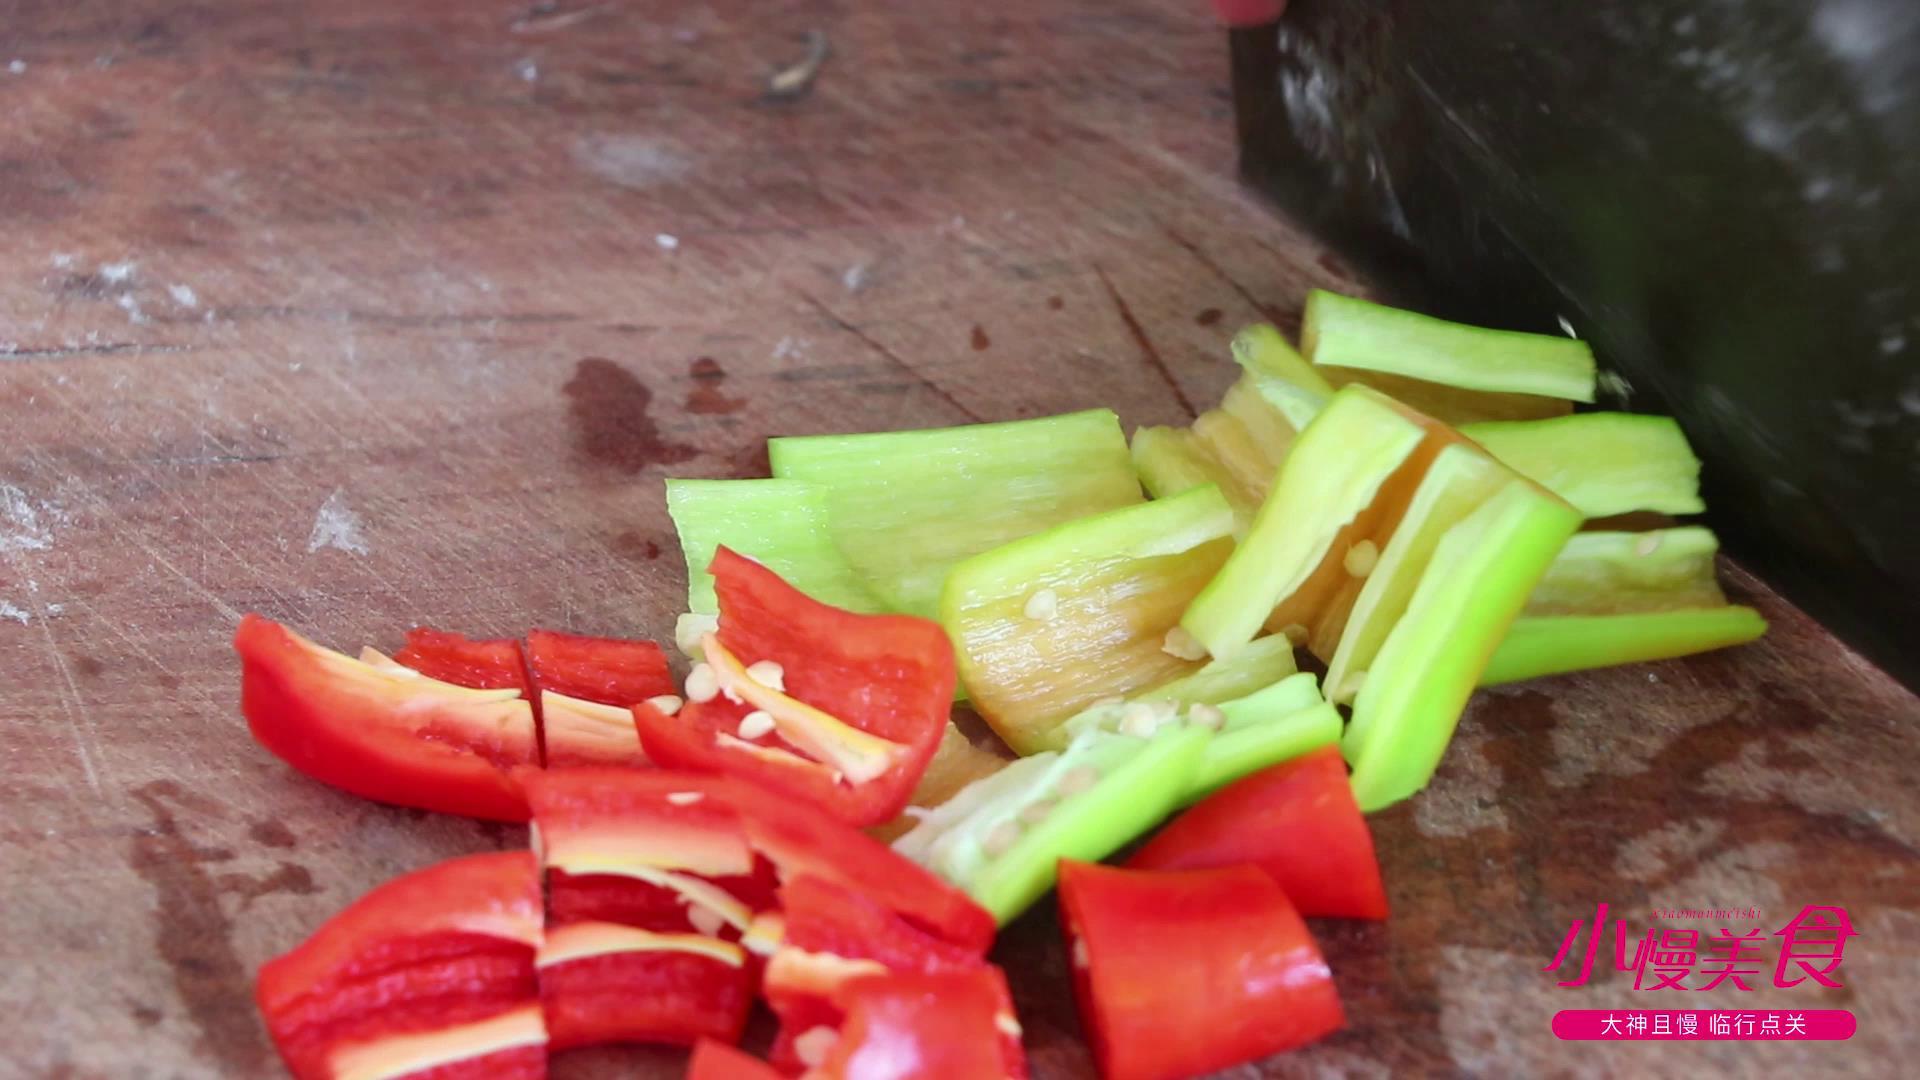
{"type": "Point", "coordinates": [462, 1052]}
{"type": "Point", "coordinates": [883, 682]}
{"type": "Point", "coordinates": [577, 732]}
{"type": "Point", "coordinates": [585, 686]}
{"type": "Point", "coordinates": [573, 898]}
{"type": "Point", "coordinates": [637, 823]}
{"type": "Point", "coordinates": [829, 935]}
{"type": "Point", "coordinates": [434, 968]}
{"type": "Point", "coordinates": [954, 1025]}
{"type": "Point", "coordinates": [487, 664]}
{"type": "Point", "coordinates": [397, 738]}
{"type": "Point", "coordinates": [718, 1061]}
{"type": "Point", "coordinates": [611, 671]}
{"type": "Point", "coordinates": [1182, 973]}
{"type": "Point", "coordinates": [1296, 821]}
{"type": "Point", "coordinates": [804, 842]}
{"type": "Point", "coordinates": [606, 983]}
{"type": "Point", "coordinates": [674, 837]}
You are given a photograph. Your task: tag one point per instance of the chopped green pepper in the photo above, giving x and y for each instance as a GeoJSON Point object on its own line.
{"type": "Point", "coordinates": [1622, 597]}
{"type": "Point", "coordinates": [1460, 479]}
{"type": "Point", "coordinates": [780, 523]}
{"type": "Point", "coordinates": [1001, 838]}
{"type": "Point", "coordinates": [905, 506]}
{"type": "Point", "coordinates": [1340, 331]}
{"type": "Point", "coordinates": [1263, 730]}
{"type": "Point", "coordinates": [1603, 463]}
{"type": "Point", "coordinates": [1049, 624]}
{"type": "Point", "coordinates": [1336, 468]}
{"type": "Point", "coordinates": [1607, 572]}
{"type": "Point", "coordinates": [1265, 727]}
{"type": "Point", "coordinates": [1262, 663]}
{"type": "Point", "coordinates": [1553, 644]}
{"type": "Point", "coordinates": [1410, 700]}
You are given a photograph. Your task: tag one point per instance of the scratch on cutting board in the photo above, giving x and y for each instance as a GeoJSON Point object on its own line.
{"type": "Point", "coordinates": [337, 526]}
{"type": "Point", "coordinates": [24, 524]}
{"type": "Point", "coordinates": [889, 355]}
{"type": "Point", "coordinates": [1148, 352]}
{"type": "Point", "coordinates": [1273, 314]}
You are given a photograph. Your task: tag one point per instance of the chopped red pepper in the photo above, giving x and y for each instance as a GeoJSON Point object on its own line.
{"type": "Point", "coordinates": [657, 850]}
{"type": "Point", "coordinates": [718, 1061]}
{"type": "Point", "coordinates": [706, 837]}
{"type": "Point", "coordinates": [613, 898]}
{"type": "Point", "coordinates": [830, 936]}
{"type": "Point", "coordinates": [804, 842]}
{"type": "Point", "coordinates": [854, 705]}
{"type": "Point", "coordinates": [1181, 973]}
{"type": "Point", "coordinates": [604, 983]}
{"type": "Point", "coordinates": [485, 664]}
{"type": "Point", "coordinates": [384, 732]}
{"type": "Point", "coordinates": [433, 971]}
{"type": "Point", "coordinates": [611, 671]}
{"type": "Point", "coordinates": [953, 1025]}
{"type": "Point", "coordinates": [585, 687]}
{"type": "Point", "coordinates": [1296, 821]}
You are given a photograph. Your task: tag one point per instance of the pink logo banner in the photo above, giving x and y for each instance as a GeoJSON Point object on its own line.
{"type": "Point", "coordinates": [1659, 1025]}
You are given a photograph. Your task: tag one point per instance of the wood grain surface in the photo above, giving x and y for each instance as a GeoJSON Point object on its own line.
{"type": "Point", "coordinates": [367, 314]}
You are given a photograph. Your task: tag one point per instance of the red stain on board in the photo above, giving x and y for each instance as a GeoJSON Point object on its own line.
{"type": "Point", "coordinates": [611, 424]}
{"type": "Point", "coordinates": [979, 339]}
{"type": "Point", "coordinates": [750, 461]}
{"type": "Point", "coordinates": [1054, 303]}
{"type": "Point", "coordinates": [632, 544]}
{"type": "Point", "coordinates": [706, 398]}
{"type": "Point", "coordinates": [193, 934]}
{"type": "Point", "coordinates": [1208, 317]}
{"type": "Point", "coordinates": [272, 833]}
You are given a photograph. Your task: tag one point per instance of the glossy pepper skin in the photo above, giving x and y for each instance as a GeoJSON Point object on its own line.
{"type": "Point", "coordinates": [885, 683]}
{"type": "Point", "coordinates": [483, 663]}
{"type": "Point", "coordinates": [610, 671]}
{"type": "Point", "coordinates": [609, 983]}
{"type": "Point", "coordinates": [1181, 973]}
{"type": "Point", "coordinates": [1297, 822]}
{"type": "Point", "coordinates": [718, 1061]}
{"type": "Point", "coordinates": [831, 937]}
{"type": "Point", "coordinates": [584, 688]}
{"type": "Point", "coordinates": [408, 741]}
{"type": "Point", "coordinates": [446, 950]}
{"type": "Point", "coordinates": [953, 1025]}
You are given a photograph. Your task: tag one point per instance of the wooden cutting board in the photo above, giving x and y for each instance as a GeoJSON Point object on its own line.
{"type": "Point", "coordinates": [362, 315]}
